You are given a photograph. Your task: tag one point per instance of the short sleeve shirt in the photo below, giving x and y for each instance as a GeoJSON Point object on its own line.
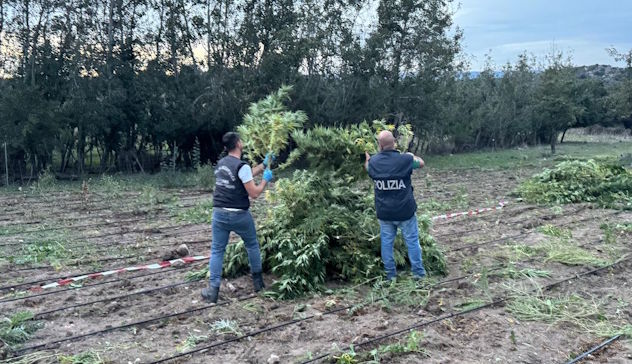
{"type": "Point", "coordinates": [245, 174]}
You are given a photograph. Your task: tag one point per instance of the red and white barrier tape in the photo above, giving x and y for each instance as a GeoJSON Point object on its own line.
{"type": "Point", "coordinates": [452, 215]}
{"type": "Point", "coordinates": [186, 260]}
{"type": "Point", "coordinates": [165, 264]}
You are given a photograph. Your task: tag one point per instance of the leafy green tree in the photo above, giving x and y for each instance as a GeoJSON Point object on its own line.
{"type": "Point", "coordinates": [622, 93]}
{"type": "Point", "coordinates": [555, 103]}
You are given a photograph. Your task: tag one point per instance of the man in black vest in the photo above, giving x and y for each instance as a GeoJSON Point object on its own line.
{"type": "Point", "coordinates": [394, 202]}
{"type": "Point", "coordinates": [234, 185]}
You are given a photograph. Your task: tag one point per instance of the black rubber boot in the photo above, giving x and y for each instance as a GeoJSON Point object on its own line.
{"type": "Point", "coordinates": [210, 294]}
{"type": "Point", "coordinates": [257, 281]}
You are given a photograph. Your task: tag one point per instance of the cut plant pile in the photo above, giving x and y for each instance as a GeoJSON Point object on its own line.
{"type": "Point", "coordinates": [572, 310]}
{"type": "Point", "coordinates": [604, 182]}
{"type": "Point", "coordinates": [16, 330]}
{"type": "Point", "coordinates": [321, 222]}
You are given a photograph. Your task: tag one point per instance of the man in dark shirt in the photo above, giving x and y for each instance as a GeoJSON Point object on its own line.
{"type": "Point", "coordinates": [234, 185]}
{"type": "Point", "coordinates": [395, 203]}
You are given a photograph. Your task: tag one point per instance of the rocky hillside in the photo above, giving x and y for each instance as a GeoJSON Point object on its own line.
{"type": "Point", "coordinates": [607, 73]}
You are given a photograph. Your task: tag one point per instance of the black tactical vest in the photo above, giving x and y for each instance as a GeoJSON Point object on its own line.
{"type": "Point", "coordinates": [391, 172]}
{"type": "Point", "coordinates": [229, 190]}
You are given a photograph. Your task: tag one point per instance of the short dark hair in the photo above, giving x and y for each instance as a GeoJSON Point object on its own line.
{"type": "Point", "coordinates": [229, 140]}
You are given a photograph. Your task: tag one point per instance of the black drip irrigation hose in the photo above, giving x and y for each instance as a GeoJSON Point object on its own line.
{"type": "Point", "coordinates": [83, 273]}
{"type": "Point", "coordinates": [187, 312]}
{"type": "Point", "coordinates": [280, 325]}
{"type": "Point", "coordinates": [594, 349]}
{"type": "Point", "coordinates": [136, 323]}
{"type": "Point", "coordinates": [25, 350]}
{"type": "Point", "coordinates": [462, 313]}
{"type": "Point", "coordinates": [160, 271]}
{"type": "Point", "coordinates": [398, 332]}
{"type": "Point", "coordinates": [39, 315]}
{"type": "Point", "coordinates": [127, 257]}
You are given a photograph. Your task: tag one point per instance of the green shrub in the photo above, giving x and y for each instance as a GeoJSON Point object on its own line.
{"type": "Point", "coordinates": [206, 176]}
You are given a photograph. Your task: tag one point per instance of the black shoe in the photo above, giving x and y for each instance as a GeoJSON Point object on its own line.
{"type": "Point", "coordinates": [210, 294]}
{"type": "Point", "coordinates": [257, 281]}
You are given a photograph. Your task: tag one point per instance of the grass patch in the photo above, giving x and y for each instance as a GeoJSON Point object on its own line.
{"type": "Point", "coordinates": [612, 232]}
{"type": "Point", "coordinates": [555, 231]}
{"type": "Point", "coordinates": [87, 357]}
{"type": "Point", "coordinates": [201, 213]}
{"type": "Point", "coordinates": [152, 196]}
{"type": "Point", "coordinates": [411, 344]}
{"type": "Point", "coordinates": [50, 251]}
{"type": "Point", "coordinates": [536, 157]}
{"type": "Point", "coordinates": [11, 230]}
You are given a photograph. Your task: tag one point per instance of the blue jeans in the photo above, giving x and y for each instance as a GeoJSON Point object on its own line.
{"type": "Point", "coordinates": [242, 224]}
{"type": "Point", "coordinates": [410, 233]}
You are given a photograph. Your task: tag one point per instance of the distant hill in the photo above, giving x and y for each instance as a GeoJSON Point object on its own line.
{"type": "Point", "coordinates": [608, 74]}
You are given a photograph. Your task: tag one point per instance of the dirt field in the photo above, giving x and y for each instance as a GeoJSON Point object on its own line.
{"type": "Point", "coordinates": [147, 316]}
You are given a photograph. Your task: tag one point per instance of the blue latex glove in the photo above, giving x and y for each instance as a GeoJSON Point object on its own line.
{"type": "Point", "coordinates": [268, 175]}
{"type": "Point", "coordinates": [270, 157]}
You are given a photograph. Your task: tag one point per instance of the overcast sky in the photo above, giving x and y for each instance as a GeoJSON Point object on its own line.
{"type": "Point", "coordinates": [581, 28]}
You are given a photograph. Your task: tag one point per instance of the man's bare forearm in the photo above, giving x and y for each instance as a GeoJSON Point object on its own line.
{"type": "Point", "coordinates": [417, 160]}
{"type": "Point", "coordinates": [258, 169]}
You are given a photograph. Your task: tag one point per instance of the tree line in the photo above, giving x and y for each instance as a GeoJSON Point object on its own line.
{"type": "Point", "coordinates": [125, 85]}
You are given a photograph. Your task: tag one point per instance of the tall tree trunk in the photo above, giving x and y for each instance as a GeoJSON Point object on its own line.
{"type": "Point", "coordinates": [108, 63]}
{"type": "Point", "coordinates": [34, 44]}
{"type": "Point", "coordinates": [1, 29]}
{"type": "Point", "coordinates": [553, 141]}
{"type": "Point", "coordinates": [81, 147]}
{"type": "Point", "coordinates": [186, 29]}
{"type": "Point", "coordinates": [563, 135]}
{"type": "Point", "coordinates": [160, 28]}
{"type": "Point", "coordinates": [208, 34]}
{"type": "Point", "coordinates": [27, 36]}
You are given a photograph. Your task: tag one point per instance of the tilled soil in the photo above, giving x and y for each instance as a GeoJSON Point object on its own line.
{"type": "Point", "coordinates": [148, 316]}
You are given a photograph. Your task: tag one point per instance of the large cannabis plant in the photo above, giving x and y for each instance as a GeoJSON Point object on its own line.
{"type": "Point", "coordinates": [268, 124]}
